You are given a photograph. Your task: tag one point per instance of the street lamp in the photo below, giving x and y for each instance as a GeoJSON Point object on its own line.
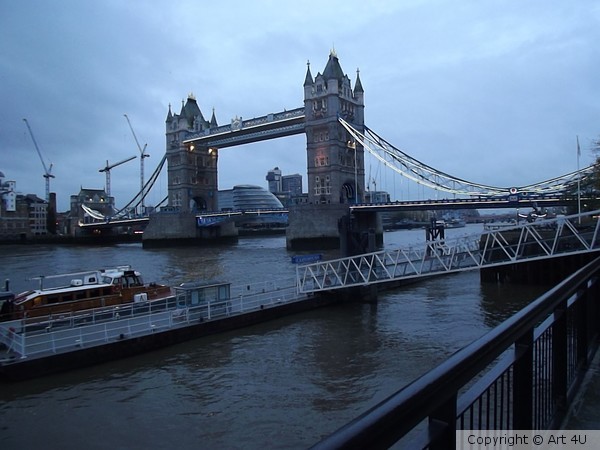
{"type": "Point", "coordinates": [352, 144]}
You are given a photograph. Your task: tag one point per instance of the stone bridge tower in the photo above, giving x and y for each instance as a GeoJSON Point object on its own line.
{"type": "Point", "coordinates": [192, 169]}
{"type": "Point", "coordinates": [335, 163]}
{"type": "Point", "coordinates": [336, 173]}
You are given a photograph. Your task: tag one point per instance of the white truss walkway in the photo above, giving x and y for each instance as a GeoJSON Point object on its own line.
{"type": "Point", "coordinates": [507, 245]}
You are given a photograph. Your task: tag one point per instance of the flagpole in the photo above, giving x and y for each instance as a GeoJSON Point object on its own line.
{"type": "Point", "coordinates": [578, 182]}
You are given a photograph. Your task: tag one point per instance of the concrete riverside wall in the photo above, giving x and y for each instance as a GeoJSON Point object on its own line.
{"type": "Point", "coordinates": [314, 227]}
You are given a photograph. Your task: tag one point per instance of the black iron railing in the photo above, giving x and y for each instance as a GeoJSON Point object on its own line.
{"type": "Point", "coordinates": [519, 376]}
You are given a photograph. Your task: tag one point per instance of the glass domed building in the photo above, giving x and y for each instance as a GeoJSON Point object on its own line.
{"type": "Point", "coordinates": [247, 197]}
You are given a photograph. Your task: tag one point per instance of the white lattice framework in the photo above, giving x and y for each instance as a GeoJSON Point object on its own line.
{"type": "Point", "coordinates": [421, 173]}
{"type": "Point", "coordinates": [533, 241]}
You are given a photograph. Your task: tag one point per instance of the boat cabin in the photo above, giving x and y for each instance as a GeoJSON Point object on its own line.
{"type": "Point", "coordinates": [92, 289]}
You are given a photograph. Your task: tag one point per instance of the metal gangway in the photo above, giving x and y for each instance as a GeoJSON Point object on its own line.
{"type": "Point", "coordinates": [509, 244]}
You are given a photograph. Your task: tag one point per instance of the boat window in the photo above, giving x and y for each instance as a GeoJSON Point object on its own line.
{"type": "Point", "coordinates": [210, 294]}
{"type": "Point", "coordinates": [94, 293]}
{"type": "Point", "coordinates": [107, 280]}
{"type": "Point", "coordinates": [223, 292]}
{"type": "Point", "coordinates": [79, 295]}
{"type": "Point", "coordinates": [39, 301]}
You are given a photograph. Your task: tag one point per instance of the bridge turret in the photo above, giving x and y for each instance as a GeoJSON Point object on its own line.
{"type": "Point", "coordinates": [308, 80]}
{"type": "Point", "coordinates": [359, 95]}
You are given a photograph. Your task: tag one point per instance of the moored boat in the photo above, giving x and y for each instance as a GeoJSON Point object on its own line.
{"type": "Point", "coordinates": [82, 291]}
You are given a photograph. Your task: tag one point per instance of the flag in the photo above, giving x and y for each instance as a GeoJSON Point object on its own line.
{"type": "Point", "coordinates": [578, 149]}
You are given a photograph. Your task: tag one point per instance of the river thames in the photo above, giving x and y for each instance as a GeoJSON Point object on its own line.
{"type": "Point", "coordinates": [280, 384]}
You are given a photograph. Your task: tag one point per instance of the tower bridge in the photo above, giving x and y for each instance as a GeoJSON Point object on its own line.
{"type": "Point", "coordinates": [335, 169]}
{"type": "Point", "coordinates": [332, 118]}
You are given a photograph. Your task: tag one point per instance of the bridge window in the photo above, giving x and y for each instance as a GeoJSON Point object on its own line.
{"type": "Point", "coordinates": [177, 199]}
{"type": "Point", "coordinates": [322, 186]}
{"type": "Point", "coordinates": [321, 161]}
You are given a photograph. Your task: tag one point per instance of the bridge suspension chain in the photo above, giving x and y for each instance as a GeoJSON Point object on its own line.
{"type": "Point", "coordinates": [136, 200]}
{"type": "Point", "coordinates": [423, 174]}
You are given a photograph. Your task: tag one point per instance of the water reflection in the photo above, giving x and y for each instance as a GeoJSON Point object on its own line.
{"type": "Point", "coordinates": [499, 301]}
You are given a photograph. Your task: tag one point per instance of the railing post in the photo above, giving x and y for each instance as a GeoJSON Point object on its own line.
{"type": "Point", "coordinates": [581, 328]}
{"type": "Point", "coordinates": [444, 416]}
{"type": "Point", "coordinates": [523, 383]}
{"type": "Point", "coordinates": [594, 306]}
{"type": "Point", "coordinates": [24, 344]}
{"type": "Point", "coordinates": [560, 357]}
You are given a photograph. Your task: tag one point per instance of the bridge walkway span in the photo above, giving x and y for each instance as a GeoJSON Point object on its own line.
{"type": "Point", "coordinates": [566, 235]}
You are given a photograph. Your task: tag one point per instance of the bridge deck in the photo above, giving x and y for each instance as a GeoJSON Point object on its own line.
{"type": "Point", "coordinates": [533, 241]}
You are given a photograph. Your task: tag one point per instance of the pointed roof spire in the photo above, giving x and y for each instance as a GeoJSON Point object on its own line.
{"type": "Point", "coordinates": [358, 85]}
{"type": "Point", "coordinates": [213, 119]}
{"type": "Point", "coordinates": [169, 115]}
{"type": "Point", "coordinates": [191, 110]}
{"type": "Point", "coordinates": [308, 81]}
{"type": "Point", "coordinates": [333, 68]}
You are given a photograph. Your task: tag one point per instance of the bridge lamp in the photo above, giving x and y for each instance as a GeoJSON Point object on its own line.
{"type": "Point", "coordinates": [352, 144]}
{"type": "Point", "coordinates": [191, 147]}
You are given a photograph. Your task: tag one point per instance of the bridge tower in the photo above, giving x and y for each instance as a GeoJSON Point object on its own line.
{"type": "Point", "coordinates": [192, 168]}
{"type": "Point", "coordinates": [335, 163]}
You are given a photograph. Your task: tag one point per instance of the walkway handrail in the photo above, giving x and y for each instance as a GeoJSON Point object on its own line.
{"type": "Point", "coordinates": [567, 316]}
{"type": "Point", "coordinates": [566, 235]}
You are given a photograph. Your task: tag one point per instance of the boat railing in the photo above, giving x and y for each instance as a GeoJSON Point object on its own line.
{"type": "Point", "coordinates": [60, 333]}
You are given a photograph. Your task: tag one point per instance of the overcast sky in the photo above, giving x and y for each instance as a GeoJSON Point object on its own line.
{"type": "Point", "coordinates": [493, 92]}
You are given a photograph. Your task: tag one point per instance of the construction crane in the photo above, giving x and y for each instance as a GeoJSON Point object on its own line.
{"type": "Point", "coordinates": [143, 155]}
{"type": "Point", "coordinates": [47, 171]}
{"type": "Point", "coordinates": [107, 169]}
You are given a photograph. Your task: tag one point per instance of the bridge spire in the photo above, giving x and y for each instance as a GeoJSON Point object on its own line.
{"type": "Point", "coordinates": [358, 85]}
{"type": "Point", "coordinates": [308, 80]}
{"type": "Point", "coordinates": [213, 119]}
